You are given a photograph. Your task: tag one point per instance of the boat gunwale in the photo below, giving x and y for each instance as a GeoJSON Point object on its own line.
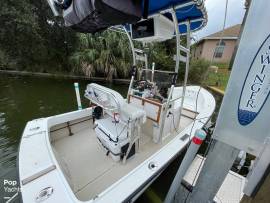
{"type": "Point", "coordinates": [65, 118]}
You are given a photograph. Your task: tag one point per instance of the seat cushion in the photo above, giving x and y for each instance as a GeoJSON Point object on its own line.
{"type": "Point", "coordinates": [116, 132]}
{"type": "Point", "coordinates": [132, 112]}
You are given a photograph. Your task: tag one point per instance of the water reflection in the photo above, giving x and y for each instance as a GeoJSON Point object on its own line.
{"type": "Point", "coordinates": [25, 98]}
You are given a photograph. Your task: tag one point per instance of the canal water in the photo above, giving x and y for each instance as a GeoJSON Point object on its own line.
{"type": "Point", "coordinates": [26, 98]}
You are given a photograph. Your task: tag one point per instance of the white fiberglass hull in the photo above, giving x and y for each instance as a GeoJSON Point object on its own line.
{"type": "Point", "coordinates": [74, 168]}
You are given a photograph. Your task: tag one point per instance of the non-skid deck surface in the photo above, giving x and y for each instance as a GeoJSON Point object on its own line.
{"type": "Point", "coordinates": [90, 170]}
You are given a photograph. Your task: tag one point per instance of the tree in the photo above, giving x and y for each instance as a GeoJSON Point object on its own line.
{"type": "Point", "coordinates": [19, 34]}
{"type": "Point", "coordinates": [32, 37]}
{"type": "Point", "coordinates": [104, 54]}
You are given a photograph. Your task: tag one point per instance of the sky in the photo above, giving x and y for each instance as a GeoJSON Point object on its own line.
{"type": "Point", "coordinates": [216, 10]}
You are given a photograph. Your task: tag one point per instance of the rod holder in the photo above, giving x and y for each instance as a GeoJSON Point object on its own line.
{"type": "Point", "coordinates": [77, 91]}
{"type": "Point", "coordinates": [153, 71]}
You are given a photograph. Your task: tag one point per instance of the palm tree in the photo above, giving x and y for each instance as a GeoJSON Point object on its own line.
{"type": "Point", "coordinates": [107, 54]}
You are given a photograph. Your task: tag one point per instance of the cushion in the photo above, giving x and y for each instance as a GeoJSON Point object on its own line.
{"type": "Point", "coordinates": [111, 129]}
{"type": "Point", "coordinates": [132, 112]}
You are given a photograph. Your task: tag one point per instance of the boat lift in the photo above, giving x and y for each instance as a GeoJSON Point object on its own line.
{"type": "Point", "coordinates": [242, 122]}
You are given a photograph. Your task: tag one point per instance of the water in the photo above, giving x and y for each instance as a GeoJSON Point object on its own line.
{"type": "Point", "coordinates": [25, 98]}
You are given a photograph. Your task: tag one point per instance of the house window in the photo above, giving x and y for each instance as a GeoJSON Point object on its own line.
{"type": "Point", "coordinates": [219, 49]}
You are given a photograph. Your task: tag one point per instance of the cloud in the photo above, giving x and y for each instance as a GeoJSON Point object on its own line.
{"type": "Point", "coordinates": [216, 11]}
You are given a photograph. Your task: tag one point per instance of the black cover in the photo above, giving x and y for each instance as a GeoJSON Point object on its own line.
{"type": "Point", "coordinates": [90, 16]}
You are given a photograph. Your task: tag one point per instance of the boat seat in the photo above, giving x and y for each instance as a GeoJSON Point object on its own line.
{"type": "Point", "coordinates": [112, 102]}
{"type": "Point", "coordinates": [116, 132]}
{"type": "Point", "coordinates": [115, 137]}
{"type": "Point", "coordinates": [129, 111]}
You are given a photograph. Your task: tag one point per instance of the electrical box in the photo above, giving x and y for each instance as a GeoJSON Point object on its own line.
{"type": "Point", "coordinates": [156, 29]}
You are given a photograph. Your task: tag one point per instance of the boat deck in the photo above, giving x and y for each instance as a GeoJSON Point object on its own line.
{"type": "Point", "coordinates": [84, 162]}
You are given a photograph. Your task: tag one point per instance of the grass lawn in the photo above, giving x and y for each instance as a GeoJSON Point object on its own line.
{"type": "Point", "coordinates": [221, 65]}
{"type": "Point", "coordinates": [219, 79]}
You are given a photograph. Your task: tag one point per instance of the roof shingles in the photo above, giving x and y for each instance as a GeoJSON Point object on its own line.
{"type": "Point", "coordinates": [232, 31]}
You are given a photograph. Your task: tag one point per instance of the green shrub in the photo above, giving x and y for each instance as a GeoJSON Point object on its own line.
{"type": "Point", "coordinates": [197, 71]}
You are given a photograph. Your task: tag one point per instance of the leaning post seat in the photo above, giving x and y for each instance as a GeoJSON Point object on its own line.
{"type": "Point", "coordinates": [117, 138]}
{"type": "Point", "coordinates": [112, 136]}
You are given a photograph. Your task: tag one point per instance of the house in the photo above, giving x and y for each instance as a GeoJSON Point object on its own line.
{"type": "Point", "coordinates": [223, 50]}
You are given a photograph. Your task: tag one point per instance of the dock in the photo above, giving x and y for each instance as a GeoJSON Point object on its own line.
{"type": "Point", "coordinates": [217, 90]}
{"type": "Point", "coordinates": [230, 191]}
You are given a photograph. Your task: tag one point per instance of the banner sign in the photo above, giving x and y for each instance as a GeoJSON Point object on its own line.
{"type": "Point", "coordinates": [244, 118]}
{"type": "Point", "coordinates": [256, 87]}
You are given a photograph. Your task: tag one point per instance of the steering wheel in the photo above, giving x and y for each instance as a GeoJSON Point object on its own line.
{"type": "Point", "coordinates": [141, 85]}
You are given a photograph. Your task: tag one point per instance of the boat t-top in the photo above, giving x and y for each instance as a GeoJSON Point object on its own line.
{"type": "Point", "coordinates": [113, 150]}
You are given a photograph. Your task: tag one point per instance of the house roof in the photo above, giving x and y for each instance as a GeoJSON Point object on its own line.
{"type": "Point", "coordinates": [229, 33]}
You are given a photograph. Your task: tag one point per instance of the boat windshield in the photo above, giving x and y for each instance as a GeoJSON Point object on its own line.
{"type": "Point", "coordinates": [153, 84]}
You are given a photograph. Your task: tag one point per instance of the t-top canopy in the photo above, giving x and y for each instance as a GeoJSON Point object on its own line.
{"type": "Point", "coordinates": [192, 10]}
{"type": "Point", "coordinates": [91, 16]}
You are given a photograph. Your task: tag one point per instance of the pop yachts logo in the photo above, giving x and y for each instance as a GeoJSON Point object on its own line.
{"type": "Point", "coordinates": [256, 87]}
{"type": "Point", "coordinates": [9, 190]}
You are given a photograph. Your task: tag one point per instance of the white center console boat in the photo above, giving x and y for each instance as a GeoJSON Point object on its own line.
{"type": "Point", "coordinates": [113, 150]}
